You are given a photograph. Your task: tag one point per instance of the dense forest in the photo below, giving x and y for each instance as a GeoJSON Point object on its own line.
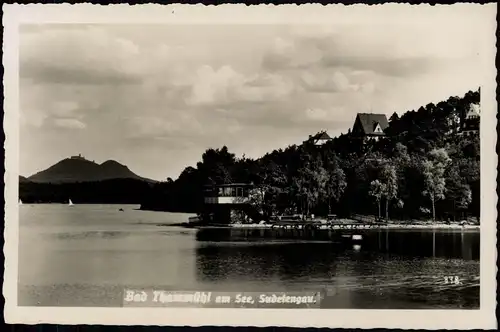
{"type": "Point", "coordinates": [423, 168]}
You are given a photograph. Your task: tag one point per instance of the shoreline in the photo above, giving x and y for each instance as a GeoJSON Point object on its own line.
{"type": "Point", "coordinates": [333, 227]}
{"type": "Point", "coordinates": [289, 225]}
{"type": "Point", "coordinates": [371, 227]}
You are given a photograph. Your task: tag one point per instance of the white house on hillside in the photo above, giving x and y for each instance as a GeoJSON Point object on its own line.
{"type": "Point", "coordinates": [319, 139]}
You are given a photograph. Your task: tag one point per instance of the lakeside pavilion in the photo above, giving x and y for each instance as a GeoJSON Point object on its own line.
{"type": "Point", "coordinates": [225, 203]}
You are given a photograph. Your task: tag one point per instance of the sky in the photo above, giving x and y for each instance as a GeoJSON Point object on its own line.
{"type": "Point", "coordinates": [155, 97]}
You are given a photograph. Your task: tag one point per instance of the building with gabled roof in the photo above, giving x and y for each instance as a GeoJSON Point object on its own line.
{"type": "Point", "coordinates": [474, 112]}
{"type": "Point", "coordinates": [470, 124]}
{"type": "Point", "coordinates": [370, 125]}
{"type": "Point", "coordinates": [319, 139]}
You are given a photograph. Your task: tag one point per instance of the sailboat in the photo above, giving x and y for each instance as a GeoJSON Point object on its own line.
{"type": "Point", "coordinates": [20, 202]}
{"type": "Point", "coordinates": [70, 202]}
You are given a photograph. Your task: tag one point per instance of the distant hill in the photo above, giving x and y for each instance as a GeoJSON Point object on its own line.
{"type": "Point", "coordinates": [79, 169]}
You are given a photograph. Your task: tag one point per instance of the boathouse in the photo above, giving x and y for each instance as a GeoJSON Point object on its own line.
{"type": "Point", "coordinates": [234, 193]}
{"type": "Point", "coordinates": [228, 203]}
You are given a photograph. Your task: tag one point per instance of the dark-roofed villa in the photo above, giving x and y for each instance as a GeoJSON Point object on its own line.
{"type": "Point", "coordinates": [319, 139]}
{"type": "Point", "coordinates": [470, 125]}
{"type": "Point", "coordinates": [370, 125]}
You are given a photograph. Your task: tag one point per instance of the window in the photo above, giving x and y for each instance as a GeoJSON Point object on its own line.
{"type": "Point", "coordinates": [227, 191]}
{"type": "Point", "coordinates": [239, 192]}
{"type": "Point", "coordinates": [233, 192]}
{"type": "Point", "coordinates": [221, 191]}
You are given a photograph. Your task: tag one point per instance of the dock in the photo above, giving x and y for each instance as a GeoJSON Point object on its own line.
{"type": "Point", "coordinates": [317, 224]}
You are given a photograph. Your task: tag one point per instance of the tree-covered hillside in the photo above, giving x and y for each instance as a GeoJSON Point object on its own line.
{"type": "Point", "coordinates": [424, 168]}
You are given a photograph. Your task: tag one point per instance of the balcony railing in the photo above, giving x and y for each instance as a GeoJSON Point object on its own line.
{"type": "Point", "coordinates": [226, 200]}
{"type": "Point", "coordinates": [227, 191]}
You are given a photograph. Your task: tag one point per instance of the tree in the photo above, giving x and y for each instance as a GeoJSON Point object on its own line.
{"type": "Point", "coordinates": [401, 154]}
{"type": "Point", "coordinates": [303, 177]}
{"type": "Point", "coordinates": [335, 186]}
{"type": "Point", "coordinates": [377, 191]}
{"type": "Point", "coordinates": [310, 181]}
{"type": "Point", "coordinates": [434, 176]}
{"type": "Point", "coordinates": [216, 165]}
{"type": "Point", "coordinates": [271, 181]}
{"type": "Point", "coordinates": [394, 117]}
{"type": "Point", "coordinates": [390, 185]}
{"type": "Point", "coordinates": [336, 179]}
{"type": "Point", "coordinates": [458, 192]}
{"type": "Point", "coordinates": [256, 199]}
{"type": "Point", "coordinates": [464, 198]}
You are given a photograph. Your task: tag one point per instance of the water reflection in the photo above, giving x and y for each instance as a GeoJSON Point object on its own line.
{"type": "Point", "coordinates": [387, 269]}
{"type": "Point", "coordinates": [87, 254]}
{"type": "Point", "coordinates": [440, 244]}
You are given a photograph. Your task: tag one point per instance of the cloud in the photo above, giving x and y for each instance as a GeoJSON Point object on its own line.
{"type": "Point", "coordinates": [266, 87]}
{"type": "Point", "coordinates": [156, 126]}
{"type": "Point", "coordinates": [226, 86]}
{"type": "Point", "coordinates": [405, 67]}
{"type": "Point", "coordinates": [144, 92]}
{"type": "Point", "coordinates": [32, 118]}
{"type": "Point", "coordinates": [69, 123]}
{"type": "Point", "coordinates": [322, 114]}
{"type": "Point", "coordinates": [291, 53]}
{"type": "Point", "coordinates": [213, 85]}
{"type": "Point", "coordinates": [85, 55]}
{"type": "Point", "coordinates": [64, 108]}
{"type": "Point", "coordinates": [326, 81]}
{"type": "Point", "coordinates": [404, 52]}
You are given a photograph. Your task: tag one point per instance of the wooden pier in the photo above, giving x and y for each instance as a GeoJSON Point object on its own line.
{"type": "Point", "coordinates": [328, 225]}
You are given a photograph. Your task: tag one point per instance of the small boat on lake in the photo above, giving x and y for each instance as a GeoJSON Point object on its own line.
{"type": "Point", "coordinates": [70, 203]}
{"type": "Point", "coordinates": [20, 202]}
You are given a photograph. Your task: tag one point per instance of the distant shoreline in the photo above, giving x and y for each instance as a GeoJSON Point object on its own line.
{"type": "Point", "coordinates": [336, 226]}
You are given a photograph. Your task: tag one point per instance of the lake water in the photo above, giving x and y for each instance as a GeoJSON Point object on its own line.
{"type": "Point", "coordinates": [86, 255]}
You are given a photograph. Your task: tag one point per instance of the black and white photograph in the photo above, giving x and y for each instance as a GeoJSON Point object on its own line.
{"type": "Point", "coordinates": [341, 157]}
